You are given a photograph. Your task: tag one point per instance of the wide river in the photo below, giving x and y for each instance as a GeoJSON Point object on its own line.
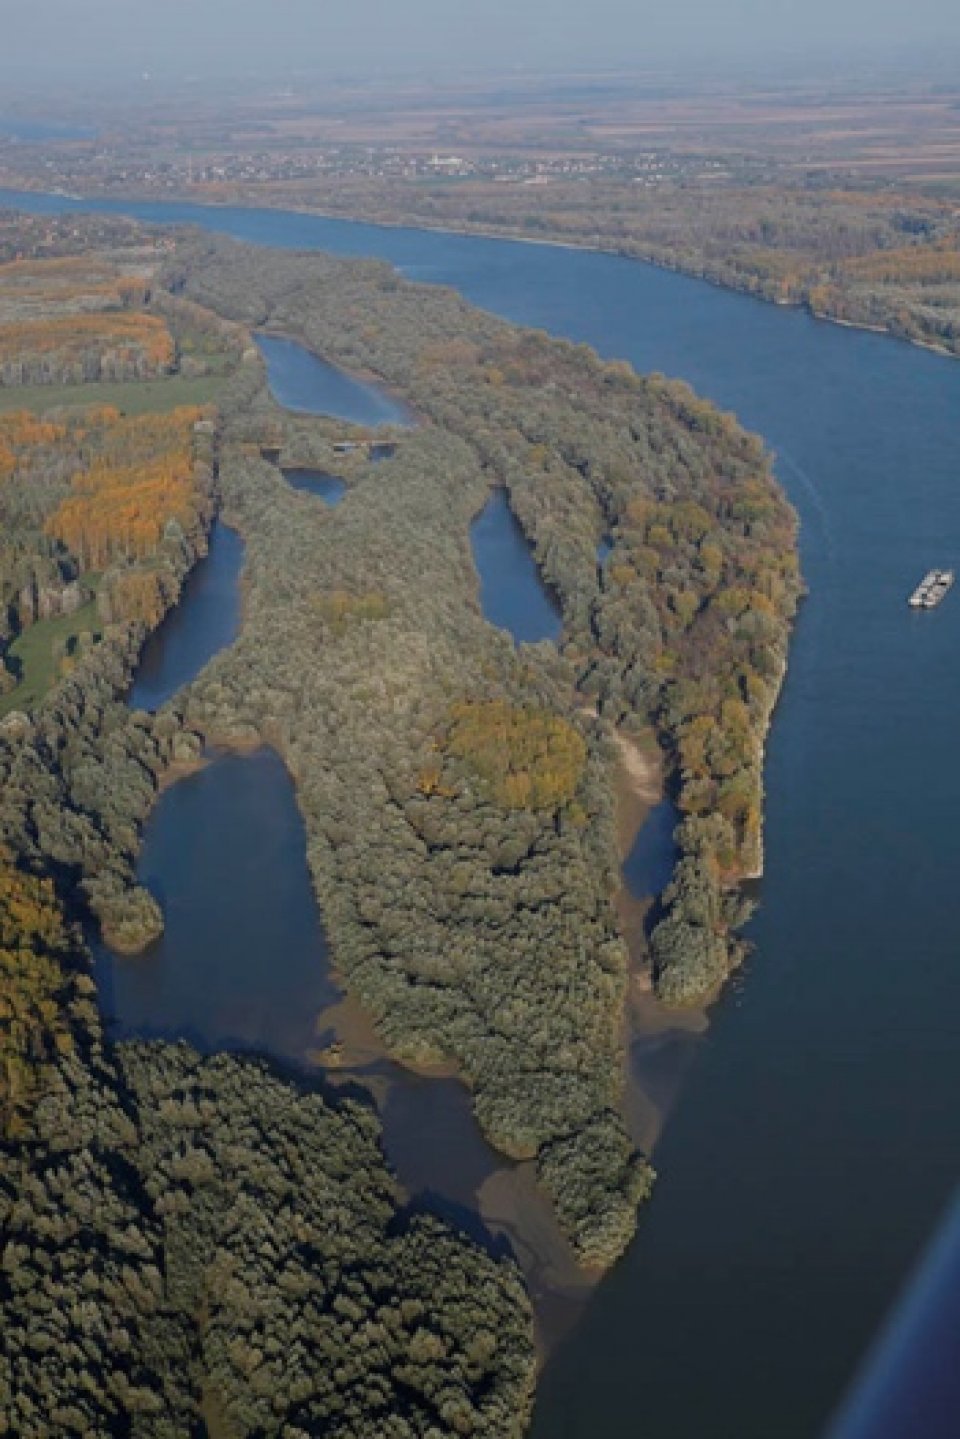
{"type": "Point", "coordinates": [813, 1146]}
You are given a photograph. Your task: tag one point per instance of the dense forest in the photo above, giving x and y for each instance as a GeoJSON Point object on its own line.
{"type": "Point", "coordinates": [102, 513]}
{"type": "Point", "coordinates": [188, 1245]}
{"type": "Point", "coordinates": [363, 658]}
{"type": "Point", "coordinates": [257, 1270]}
{"type": "Point", "coordinates": [685, 627]}
{"type": "Point", "coordinates": [75, 318]}
{"type": "Point", "coordinates": [80, 318]}
{"type": "Point", "coordinates": [202, 1246]}
{"type": "Point", "coordinates": [79, 240]}
{"type": "Point", "coordinates": [102, 516]}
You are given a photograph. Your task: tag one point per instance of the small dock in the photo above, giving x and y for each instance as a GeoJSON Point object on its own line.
{"type": "Point", "coordinates": [931, 589]}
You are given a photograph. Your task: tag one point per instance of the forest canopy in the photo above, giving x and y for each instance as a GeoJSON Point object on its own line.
{"type": "Point", "coordinates": [257, 1267]}
{"type": "Point", "coordinates": [188, 1244]}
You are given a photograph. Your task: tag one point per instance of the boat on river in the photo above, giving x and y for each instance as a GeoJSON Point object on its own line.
{"type": "Point", "coordinates": [931, 589]}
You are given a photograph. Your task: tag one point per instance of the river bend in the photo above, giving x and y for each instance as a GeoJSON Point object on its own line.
{"type": "Point", "coordinates": [813, 1146]}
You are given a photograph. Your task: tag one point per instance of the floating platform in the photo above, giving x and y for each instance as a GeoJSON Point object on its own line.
{"type": "Point", "coordinates": [931, 589]}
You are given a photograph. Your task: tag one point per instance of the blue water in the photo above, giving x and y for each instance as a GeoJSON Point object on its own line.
{"type": "Point", "coordinates": [302, 381]}
{"type": "Point", "coordinates": [512, 595]}
{"type": "Point", "coordinates": [242, 962]}
{"type": "Point", "coordinates": [326, 487]}
{"type": "Point", "coordinates": [204, 622]}
{"type": "Point", "coordinates": [815, 1142]}
{"type": "Point", "coordinates": [649, 865]}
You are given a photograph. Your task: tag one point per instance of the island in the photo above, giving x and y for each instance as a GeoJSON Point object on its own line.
{"type": "Point", "coordinates": [257, 1265]}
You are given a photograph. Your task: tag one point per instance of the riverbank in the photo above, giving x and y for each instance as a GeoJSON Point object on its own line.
{"type": "Point", "coordinates": [658, 262]}
{"type": "Point", "coordinates": [462, 1170]}
{"type": "Point", "coordinates": [479, 230]}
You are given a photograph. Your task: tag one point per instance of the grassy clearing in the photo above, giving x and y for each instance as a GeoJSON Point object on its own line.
{"type": "Point", "coordinates": [33, 651]}
{"type": "Point", "coordinates": [133, 397]}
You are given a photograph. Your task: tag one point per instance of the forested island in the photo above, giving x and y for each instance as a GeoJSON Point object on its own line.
{"type": "Point", "coordinates": [685, 626]}
{"type": "Point", "coordinates": [258, 1269]}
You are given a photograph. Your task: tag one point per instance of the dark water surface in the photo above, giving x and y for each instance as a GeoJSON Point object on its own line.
{"type": "Point", "coordinates": [512, 595]}
{"type": "Point", "coordinates": [302, 381]}
{"type": "Point", "coordinates": [649, 865]}
{"type": "Point", "coordinates": [204, 622]}
{"type": "Point", "coordinates": [815, 1142]}
{"type": "Point", "coordinates": [242, 962]}
{"type": "Point", "coordinates": [326, 487]}
{"type": "Point", "coordinates": [911, 1382]}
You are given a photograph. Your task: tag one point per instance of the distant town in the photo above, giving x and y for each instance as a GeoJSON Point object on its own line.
{"type": "Point", "coordinates": [123, 166]}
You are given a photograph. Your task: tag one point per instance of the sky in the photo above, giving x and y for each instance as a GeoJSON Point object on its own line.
{"type": "Point", "coordinates": [81, 41]}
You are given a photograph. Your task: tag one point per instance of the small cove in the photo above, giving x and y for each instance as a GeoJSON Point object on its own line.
{"type": "Point", "coordinates": [649, 864]}
{"type": "Point", "coordinates": [328, 488]}
{"type": "Point", "coordinates": [244, 965]}
{"type": "Point", "coordinates": [512, 595]}
{"type": "Point", "coordinates": [204, 621]}
{"type": "Point", "coordinates": [304, 383]}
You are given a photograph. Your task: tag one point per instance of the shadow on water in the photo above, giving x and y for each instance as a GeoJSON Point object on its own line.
{"type": "Point", "coordinates": [461, 1217]}
{"type": "Point", "coordinates": [512, 594]}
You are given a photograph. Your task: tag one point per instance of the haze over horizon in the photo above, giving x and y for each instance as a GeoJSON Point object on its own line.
{"type": "Point", "coordinates": [127, 41]}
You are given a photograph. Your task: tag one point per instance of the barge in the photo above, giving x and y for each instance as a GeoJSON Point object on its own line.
{"type": "Point", "coordinates": [931, 589]}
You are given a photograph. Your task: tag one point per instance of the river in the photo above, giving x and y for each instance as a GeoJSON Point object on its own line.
{"type": "Point", "coordinates": [812, 1146]}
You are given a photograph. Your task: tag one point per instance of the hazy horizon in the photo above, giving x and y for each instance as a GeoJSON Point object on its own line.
{"type": "Point", "coordinates": [127, 42]}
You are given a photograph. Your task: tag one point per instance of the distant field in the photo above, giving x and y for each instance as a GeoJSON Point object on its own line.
{"type": "Point", "coordinates": [901, 128]}
{"type": "Point", "coordinates": [133, 397]}
{"type": "Point", "coordinates": [34, 650]}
